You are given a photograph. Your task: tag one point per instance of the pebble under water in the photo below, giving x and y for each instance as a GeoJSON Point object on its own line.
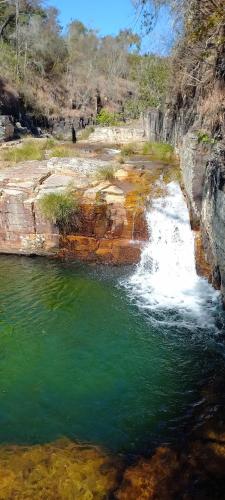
{"type": "Point", "coordinates": [114, 357]}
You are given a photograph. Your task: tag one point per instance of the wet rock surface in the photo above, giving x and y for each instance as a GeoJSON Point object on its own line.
{"type": "Point", "coordinates": [202, 166]}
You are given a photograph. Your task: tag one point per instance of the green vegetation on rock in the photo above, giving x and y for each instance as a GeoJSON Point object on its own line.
{"type": "Point", "coordinates": [205, 138]}
{"type": "Point", "coordinates": [39, 149]}
{"type": "Point", "coordinates": [159, 150]}
{"type": "Point", "coordinates": [107, 118]}
{"type": "Point", "coordinates": [85, 134]}
{"type": "Point", "coordinates": [128, 150]}
{"type": "Point", "coordinates": [29, 150]}
{"type": "Point", "coordinates": [60, 208]}
{"type": "Point", "coordinates": [106, 173]}
{"type": "Point", "coordinates": [64, 151]}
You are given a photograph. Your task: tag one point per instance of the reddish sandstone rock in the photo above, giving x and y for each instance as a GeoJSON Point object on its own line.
{"type": "Point", "coordinates": [203, 268]}
{"type": "Point", "coordinates": [107, 251]}
{"type": "Point", "coordinates": [126, 252]}
{"type": "Point", "coordinates": [118, 251]}
{"type": "Point", "coordinates": [109, 226]}
{"type": "Point", "coordinates": [79, 247]}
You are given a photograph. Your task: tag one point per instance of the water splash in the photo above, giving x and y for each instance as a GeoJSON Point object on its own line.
{"type": "Point", "coordinates": [166, 277]}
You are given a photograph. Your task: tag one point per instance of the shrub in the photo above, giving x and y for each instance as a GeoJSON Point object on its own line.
{"type": "Point", "coordinates": [7, 60]}
{"type": "Point", "coordinates": [160, 151]}
{"type": "Point", "coordinates": [204, 138]}
{"type": "Point", "coordinates": [85, 134]}
{"type": "Point", "coordinates": [106, 173]}
{"type": "Point", "coordinates": [59, 208]}
{"type": "Point", "coordinates": [128, 150]}
{"type": "Point", "coordinates": [106, 118]}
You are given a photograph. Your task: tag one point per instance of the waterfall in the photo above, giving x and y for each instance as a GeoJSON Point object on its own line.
{"type": "Point", "coordinates": [166, 277]}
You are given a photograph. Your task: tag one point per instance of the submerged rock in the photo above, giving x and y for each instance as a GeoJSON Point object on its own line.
{"type": "Point", "coordinates": [57, 471]}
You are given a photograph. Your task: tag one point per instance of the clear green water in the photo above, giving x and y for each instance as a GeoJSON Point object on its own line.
{"type": "Point", "coordinates": [79, 359]}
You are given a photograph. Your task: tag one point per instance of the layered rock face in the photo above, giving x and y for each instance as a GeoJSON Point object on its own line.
{"type": "Point", "coordinates": [203, 174]}
{"type": "Point", "coordinates": [118, 135]}
{"type": "Point", "coordinates": [110, 226]}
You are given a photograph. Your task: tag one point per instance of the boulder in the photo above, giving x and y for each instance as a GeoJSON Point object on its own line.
{"type": "Point", "coordinates": [6, 128]}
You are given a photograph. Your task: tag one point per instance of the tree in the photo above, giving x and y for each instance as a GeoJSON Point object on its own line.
{"type": "Point", "coordinates": [98, 66]}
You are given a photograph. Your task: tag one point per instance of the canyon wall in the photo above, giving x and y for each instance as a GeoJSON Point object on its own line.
{"type": "Point", "coordinates": [194, 122]}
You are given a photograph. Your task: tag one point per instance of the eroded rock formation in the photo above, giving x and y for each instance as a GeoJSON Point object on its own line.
{"type": "Point", "coordinates": [110, 225]}
{"type": "Point", "coordinates": [118, 135]}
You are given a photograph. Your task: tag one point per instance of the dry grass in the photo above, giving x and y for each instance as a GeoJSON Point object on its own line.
{"type": "Point", "coordinates": [85, 134]}
{"type": "Point", "coordinates": [64, 151]}
{"type": "Point", "coordinates": [28, 150]}
{"type": "Point", "coordinates": [106, 173]}
{"type": "Point", "coordinates": [213, 106]}
{"type": "Point", "coordinates": [129, 150]}
{"type": "Point", "coordinates": [38, 149]}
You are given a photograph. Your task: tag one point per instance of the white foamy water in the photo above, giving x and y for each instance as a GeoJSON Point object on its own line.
{"type": "Point", "coordinates": [166, 277]}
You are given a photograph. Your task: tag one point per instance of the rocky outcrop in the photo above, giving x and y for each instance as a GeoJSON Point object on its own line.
{"type": "Point", "coordinates": [118, 135]}
{"type": "Point", "coordinates": [23, 124]}
{"type": "Point", "coordinates": [18, 120]}
{"type": "Point", "coordinates": [152, 122]}
{"type": "Point", "coordinates": [110, 226]}
{"type": "Point", "coordinates": [6, 128]}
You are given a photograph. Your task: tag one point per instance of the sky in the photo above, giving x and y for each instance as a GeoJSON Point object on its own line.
{"type": "Point", "coordinates": [106, 16]}
{"type": "Point", "coordinates": [109, 17]}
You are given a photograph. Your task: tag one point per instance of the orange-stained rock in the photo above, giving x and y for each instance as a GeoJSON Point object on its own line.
{"type": "Point", "coordinates": [93, 219]}
{"type": "Point", "coordinates": [78, 247]}
{"type": "Point", "coordinates": [125, 252]}
{"type": "Point", "coordinates": [108, 251]}
{"type": "Point", "coordinates": [119, 251]}
{"type": "Point", "coordinates": [114, 227]}
{"type": "Point", "coordinates": [108, 211]}
{"type": "Point", "coordinates": [151, 479]}
{"type": "Point", "coordinates": [203, 268]}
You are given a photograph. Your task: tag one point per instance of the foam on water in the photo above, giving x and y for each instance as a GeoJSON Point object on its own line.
{"type": "Point", "coordinates": [166, 277]}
